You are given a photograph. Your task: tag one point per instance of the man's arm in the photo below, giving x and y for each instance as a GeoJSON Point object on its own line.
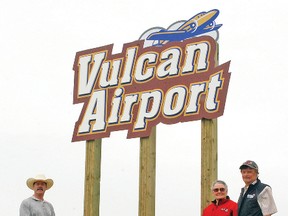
{"type": "Point", "coordinates": [266, 202]}
{"type": "Point", "coordinates": [24, 209]}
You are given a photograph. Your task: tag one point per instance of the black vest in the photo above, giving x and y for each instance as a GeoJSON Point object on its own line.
{"type": "Point", "coordinates": [247, 204]}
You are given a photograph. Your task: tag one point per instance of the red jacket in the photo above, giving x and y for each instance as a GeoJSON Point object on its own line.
{"type": "Point", "coordinates": [225, 207]}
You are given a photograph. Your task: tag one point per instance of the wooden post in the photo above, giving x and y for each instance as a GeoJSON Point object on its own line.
{"type": "Point", "coordinates": [209, 159]}
{"type": "Point", "coordinates": [92, 178]}
{"type": "Point", "coordinates": [209, 154]}
{"type": "Point", "coordinates": [147, 172]}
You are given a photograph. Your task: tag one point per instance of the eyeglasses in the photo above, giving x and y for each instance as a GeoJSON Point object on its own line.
{"type": "Point", "coordinates": [218, 189]}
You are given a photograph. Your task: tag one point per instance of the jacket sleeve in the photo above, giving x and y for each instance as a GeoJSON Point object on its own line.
{"type": "Point", "coordinates": [206, 211]}
{"type": "Point", "coordinates": [234, 210]}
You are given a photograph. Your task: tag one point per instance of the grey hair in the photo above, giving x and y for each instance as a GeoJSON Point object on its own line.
{"type": "Point", "coordinates": [219, 182]}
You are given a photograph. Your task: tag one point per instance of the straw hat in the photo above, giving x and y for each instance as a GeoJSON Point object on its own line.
{"type": "Point", "coordinates": [30, 182]}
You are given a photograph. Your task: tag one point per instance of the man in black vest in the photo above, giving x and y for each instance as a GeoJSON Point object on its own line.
{"type": "Point", "coordinates": [256, 198]}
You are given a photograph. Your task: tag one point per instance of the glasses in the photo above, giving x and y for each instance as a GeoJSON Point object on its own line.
{"type": "Point", "coordinates": [218, 189]}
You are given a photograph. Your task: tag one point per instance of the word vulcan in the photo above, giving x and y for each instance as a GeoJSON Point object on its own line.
{"type": "Point", "coordinates": [140, 87]}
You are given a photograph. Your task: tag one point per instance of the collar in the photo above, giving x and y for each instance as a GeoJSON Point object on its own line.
{"type": "Point", "coordinates": [34, 198]}
{"type": "Point", "coordinates": [252, 184]}
{"type": "Point", "coordinates": [221, 201]}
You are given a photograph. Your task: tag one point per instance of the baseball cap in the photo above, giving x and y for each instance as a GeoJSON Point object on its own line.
{"type": "Point", "coordinates": [249, 163]}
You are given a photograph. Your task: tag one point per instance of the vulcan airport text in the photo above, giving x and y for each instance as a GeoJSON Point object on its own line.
{"type": "Point", "coordinates": [140, 87]}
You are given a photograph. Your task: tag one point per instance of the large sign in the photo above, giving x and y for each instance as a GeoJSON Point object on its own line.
{"type": "Point", "coordinates": [173, 79]}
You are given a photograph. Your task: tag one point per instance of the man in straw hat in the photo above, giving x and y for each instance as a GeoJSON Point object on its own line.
{"type": "Point", "coordinates": [36, 205]}
{"type": "Point", "coordinates": [256, 198]}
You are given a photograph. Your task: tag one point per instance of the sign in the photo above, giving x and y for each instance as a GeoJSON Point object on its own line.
{"type": "Point", "coordinates": [173, 79]}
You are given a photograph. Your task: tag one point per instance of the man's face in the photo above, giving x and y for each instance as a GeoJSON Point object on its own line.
{"type": "Point", "coordinates": [39, 187]}
{"type": "Point", "coordinates": [249, 175]}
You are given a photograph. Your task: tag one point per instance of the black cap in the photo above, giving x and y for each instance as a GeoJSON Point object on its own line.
{"type": "Point", "coordinates": [249, 164]}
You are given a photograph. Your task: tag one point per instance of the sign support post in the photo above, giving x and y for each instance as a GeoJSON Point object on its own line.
{"type": "Point", "coordinates": [208, 159]}
{"type": "Point", "coordinates": [147, 172]}
{"type": "Point", "coordinates": [209, 154]}
{"type": "Point", "coordinates": [92, 178]}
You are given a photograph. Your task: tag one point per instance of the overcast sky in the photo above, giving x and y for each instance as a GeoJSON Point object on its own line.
{"type": "Point", "coordinates": [39, 40]}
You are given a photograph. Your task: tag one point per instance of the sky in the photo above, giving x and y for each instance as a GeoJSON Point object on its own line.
{"type": "Point", "coordinates": [39, 40]}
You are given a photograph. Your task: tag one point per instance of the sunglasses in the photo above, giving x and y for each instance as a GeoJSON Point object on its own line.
{"type": "Point", "coordinates": [218, 189]}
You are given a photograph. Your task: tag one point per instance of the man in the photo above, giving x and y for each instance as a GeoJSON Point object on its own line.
{"type": "Point", "coordinates": [36, 205]}
{"type": "Point", "coordinates": [256, 198]}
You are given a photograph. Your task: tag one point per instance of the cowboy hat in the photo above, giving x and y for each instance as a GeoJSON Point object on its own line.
{"type": "Point", "coordinates": [30, 182]}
